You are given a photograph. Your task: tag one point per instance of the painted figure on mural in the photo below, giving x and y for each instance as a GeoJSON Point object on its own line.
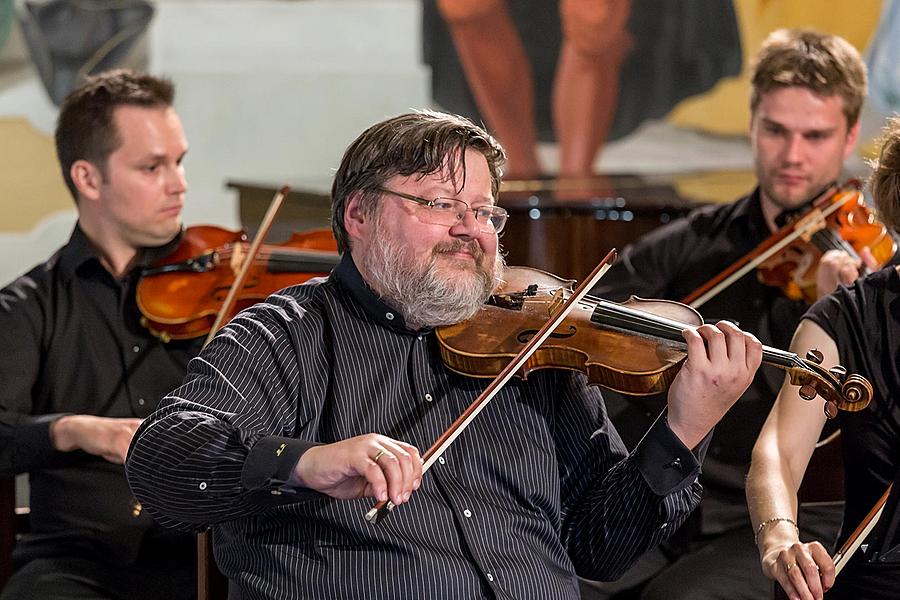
{"type": "Point", "coordinates": [619, 62]}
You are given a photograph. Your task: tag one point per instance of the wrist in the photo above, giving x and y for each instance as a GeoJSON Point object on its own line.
{"type": "Point", "coordinates": [61, 434]}
{"type": "Point", "coordinates": [296, 479]}
{"type": "Point", "coordinates": [775, 524]}
{"type": "Point", "coordinates": [689, 435]}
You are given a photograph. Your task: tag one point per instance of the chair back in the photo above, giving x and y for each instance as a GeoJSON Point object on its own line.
{"type": "Point", "coordinates": [211, 583]}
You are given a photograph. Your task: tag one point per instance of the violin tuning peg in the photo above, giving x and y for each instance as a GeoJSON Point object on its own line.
{"type": "Point", "coordinates": [831, 409]}
{"type": "Point", "coordinates": [807, 392]}
{"type": "Point", "coordinates": [839, 372]}
{"type": "Point", "coordinates": [815, 356]}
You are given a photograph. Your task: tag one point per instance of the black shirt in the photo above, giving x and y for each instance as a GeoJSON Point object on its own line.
{"type": "Point", "coordinates": [539, 485]}
{"type": "Point", "coordinates": [864, 322]}
{"type": "Point", "coordinates": [72, 343]}
{"type": "Point", "coordinates": [670, 263]}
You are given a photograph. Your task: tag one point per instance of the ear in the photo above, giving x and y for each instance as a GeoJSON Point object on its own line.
{"type": "Point", "coordinates": [87, 179]}
{"type": "Point", "coordinates": [355, 221]}
{"type": "Point", "coordinates": [852, 139]}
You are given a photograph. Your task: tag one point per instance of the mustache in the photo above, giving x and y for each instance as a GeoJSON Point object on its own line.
{"type": "Point", "coordinates": [472, 247]}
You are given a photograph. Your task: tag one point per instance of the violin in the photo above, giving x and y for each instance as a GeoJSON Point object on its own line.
{"type": "Point", "coordinates": [635, 347]}
{"type": "Point", "coordinates": [789, 258]}
{"type": "Point", "coordinates": [180, 297]}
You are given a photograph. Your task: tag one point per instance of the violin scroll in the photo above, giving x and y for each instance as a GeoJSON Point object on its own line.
{"type": "Point", "coordinates": [839, 390]}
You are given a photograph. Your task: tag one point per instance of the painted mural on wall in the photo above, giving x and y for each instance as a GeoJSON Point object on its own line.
{"type": "Point", "coordinates": [578, 72]}
{"type": "Point", "coordinates": [506, 63]}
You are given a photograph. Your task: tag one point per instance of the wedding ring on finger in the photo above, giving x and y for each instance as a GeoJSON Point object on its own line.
{"type": "Point", "coordinates": [790, 566]}
{"type": "Point", "coordinates": [378, 455]}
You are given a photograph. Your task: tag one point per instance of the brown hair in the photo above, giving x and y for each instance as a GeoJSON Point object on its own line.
{"type": "Point", "coordinates": [85, 129]}
{"type": "Point", "coordinates": [422, 142]}
{"type": "Point", "coordinates": [826, 64]}
{"type": "Point", "coordinates": [885, 179]}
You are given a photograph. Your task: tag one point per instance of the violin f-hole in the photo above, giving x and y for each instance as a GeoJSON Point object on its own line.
{"type": "Point", "coordinates": [525, 336]}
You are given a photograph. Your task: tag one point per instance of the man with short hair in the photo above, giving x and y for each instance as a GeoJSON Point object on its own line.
{"type": "Point", "coordinates": [79, 371]}
{"type": "Point", "coordinates": [807, 93]}
{"type": "Point", "coordinates": [308, 406]}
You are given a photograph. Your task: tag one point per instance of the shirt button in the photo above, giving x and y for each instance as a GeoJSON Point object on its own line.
{"type": "Point", "coordinates": [467, 513]}
{"type": "Point", "coordinates": [135, 348]}
{"type": "Point", "coordinates": [141, 401]}
{"type": "Point", "coordinates": [202, 485]}
{"type": "Point", "coordinates": [420, 337]}
{"type": "Point", "coordinates": [389, 316]}
{"type": "Point", "coordinates": [441, 459]}
{"type": "Point", "coordinates": [490, 577]}
{"type": "Point", "coordinates": [428, 398]}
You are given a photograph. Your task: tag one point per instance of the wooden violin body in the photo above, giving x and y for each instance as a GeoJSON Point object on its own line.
{"type": "Point", "coordinates": [180, 297]}
{"type": "Point", "coordinates": [843, 221]}
{"type": "Point", "coordinates": [632, 364]}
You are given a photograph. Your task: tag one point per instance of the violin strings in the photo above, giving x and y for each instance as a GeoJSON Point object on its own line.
{"type": "Point", "coordinates": [288, 256]}
{"type": "Point", "coordinates": [671, 330]}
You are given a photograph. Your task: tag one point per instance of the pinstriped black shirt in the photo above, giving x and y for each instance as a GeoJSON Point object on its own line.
{"type": "Point", "coordinates": [538, 488]}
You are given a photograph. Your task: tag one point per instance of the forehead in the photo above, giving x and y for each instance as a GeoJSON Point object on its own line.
{"type": "Point", "coordinates": [149, 129]}
{"type": "Point", "coordinates": [797, 107]}
{"type": "Point", "coordinates": [474, 179]}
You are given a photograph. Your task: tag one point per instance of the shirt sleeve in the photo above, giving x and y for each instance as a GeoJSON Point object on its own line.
{"type": "Point", "coordinates": [224, 443]}
{"type": "Point", "coordinates": [616, 505]}
{"type": "Point", "coordinates": [24, 437]}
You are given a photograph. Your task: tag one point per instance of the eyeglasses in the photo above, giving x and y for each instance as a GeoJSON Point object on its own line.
{"type": "Point", "coordinates": [450, 211]}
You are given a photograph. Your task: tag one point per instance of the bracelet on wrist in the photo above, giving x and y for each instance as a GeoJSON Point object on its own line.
{"type": "Point", "coordinates": [768, 522]}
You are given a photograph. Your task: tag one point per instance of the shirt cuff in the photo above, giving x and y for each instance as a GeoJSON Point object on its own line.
{"type": "Point", "coordinates": [33, 444]}
{"type": "Point", "coordinates": [665, 463]}
{"type": "Point", "coordinates": [271, 462]}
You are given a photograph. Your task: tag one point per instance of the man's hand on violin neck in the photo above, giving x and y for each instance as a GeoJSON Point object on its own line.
{"type": "Point", "coordinates": [369, 465]}
{"type": "Point", "coordinates": [721, 363]}
{"type": "Point", "coordinates": [106, 437]}
{"type": "Point", "coordinates": [836, 267]}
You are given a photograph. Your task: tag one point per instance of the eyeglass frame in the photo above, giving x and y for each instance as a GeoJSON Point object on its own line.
{"type": "Point", "coordinates": [430, 204]}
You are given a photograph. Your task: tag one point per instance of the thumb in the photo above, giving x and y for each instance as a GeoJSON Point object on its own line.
{"type": "Point", "coordinates": [868, 258]}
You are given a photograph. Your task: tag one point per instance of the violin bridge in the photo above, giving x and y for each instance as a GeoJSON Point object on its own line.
{"type": "Point", "coordinates": [813, 221]}
{"type": "Point", "coordinates": [237, 258]}
{"type": "Point", "coordinates": [557, 302]}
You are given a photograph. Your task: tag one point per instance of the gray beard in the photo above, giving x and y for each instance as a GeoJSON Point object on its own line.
{"type": "Point", "coordinates": [420, 293]}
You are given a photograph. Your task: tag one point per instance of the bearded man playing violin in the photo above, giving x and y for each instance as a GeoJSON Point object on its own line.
{"type": "Point", "coordinates": [79, 372]}
{"type": "Point", "coordinates": [806, 96]}
{"type": "Point", "coordinates": [307, 407]}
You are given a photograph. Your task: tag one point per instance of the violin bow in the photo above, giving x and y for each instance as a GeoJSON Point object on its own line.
{"type": "Point", "coordinates": [238, 282]}
{"type": "Point", "coordinates": [204, 543]}
{"type": "Point", "coordinates": [859, 535]}
{"type": "Point", "coordinates": [776, 242]}
{"type": "Point", "coordinates": [384, 507]}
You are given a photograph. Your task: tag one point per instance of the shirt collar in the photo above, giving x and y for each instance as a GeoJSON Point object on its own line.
{"type": "Point", "coordinates": [748, 216]}
{"type": "Point", "coordinates": [348, 276]}
{"type": "Point", "coordinates": [79, 253]}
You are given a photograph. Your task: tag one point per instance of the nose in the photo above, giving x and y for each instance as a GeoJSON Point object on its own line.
{"type": "Point", "coordinates": [793, 151]}
{"type": "Point", "coordinates": [467, 227]}
{"type": "Point", "coordinates": [177, 183]}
